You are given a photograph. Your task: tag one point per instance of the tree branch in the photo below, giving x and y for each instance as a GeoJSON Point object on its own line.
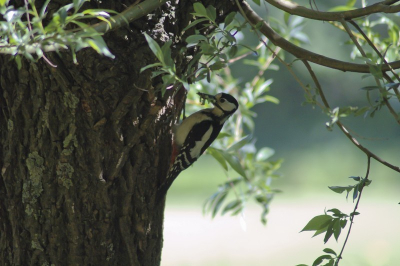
{"type": "Point", "coordinates": [342, 127]}
{"type": "Point", "coordinates": [295, 9]}
{"type": "Point", "coordinates": [304, 54]}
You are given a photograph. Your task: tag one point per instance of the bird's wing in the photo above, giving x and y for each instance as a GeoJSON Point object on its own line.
{"type": "Point", "coordinates": [197, 141]}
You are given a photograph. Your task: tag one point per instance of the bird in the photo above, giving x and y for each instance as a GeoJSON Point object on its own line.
{"type": "Point", "coordinates": [196, 133]}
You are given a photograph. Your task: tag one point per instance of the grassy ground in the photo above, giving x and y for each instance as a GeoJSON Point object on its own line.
{"type": "Point", "coordinates": [191, 239]}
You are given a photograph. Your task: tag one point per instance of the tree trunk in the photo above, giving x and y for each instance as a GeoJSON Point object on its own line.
{"type": "Point", "coordinates": [84, 148]}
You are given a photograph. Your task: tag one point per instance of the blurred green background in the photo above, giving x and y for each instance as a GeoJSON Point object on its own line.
{"type": "Point", "coordinates": [314, 158]}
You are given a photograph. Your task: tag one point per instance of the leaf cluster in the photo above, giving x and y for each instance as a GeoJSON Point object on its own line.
{"type": "Point", "coordinates": [250, 170]}
{"type": "Point", "coordinates": [332, 224]}
{"type": "Point", "coordinates": [330, 257]}
{"type": "Point", "coordinates": [328, 224]}
{"type": "Point", "coordinates": [362, 182]}
{"type": "Point", "coordinates": [212, 50]}
{"type": "Point", "coordinates": [26, 28]}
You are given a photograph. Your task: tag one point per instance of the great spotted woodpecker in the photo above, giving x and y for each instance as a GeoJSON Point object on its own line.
{"type": "Point", "coordinates": [196, 133]}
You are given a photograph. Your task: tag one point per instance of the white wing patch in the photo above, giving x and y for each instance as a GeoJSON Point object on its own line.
{"type": "Point", "coordinates": [181, 131]}
{"type": "Point", "coordinates": [196, 150]}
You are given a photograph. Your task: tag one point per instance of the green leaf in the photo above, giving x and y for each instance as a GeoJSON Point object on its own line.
{"type": "Point", "coordinates": [166, 51]}
{"type": "Point", "coordinates": [217, 65]}
{"type": "Point", "coordinates": [218, 156]}
{"type": "Point", "coordinates": [269, 98]}
{"type": "Point", "coordinates": [3, 2]}
{"type": "Point", "coordinates": [351, 3]}
{"type": "Point", "coordinates": [320, 231]}
{"type": "Point", "coordinates": [330, 262]}
{"type": "Point", "coordinates": [340, 190]}
{"type": "Point", "coordinates": [156, 73]}
{"type": "Point", "coordinates": [286, 17]}
{"type": "Point", "coordinates": [211, 13]}
{"type": "Point", "coordinates": [264, 153]}
{"type": "Point", "coordinates": [343, 223]}
{"type": "Point", "coordinates": [150, 66]}
{"type": "Point", "coordinates": [155, 48]}
{"type": "Point", "coordinates": [218, 203]}
{"type": "Point", "coordinates": [317, 223]}
{"type": "Point", "coordinates": [355, 193]}
{"type": "Point", "coordinates": [228, 19]}
{"type": "Point", "coordinates": [320, 259]}
{"type": "Point", "coordinates": [232, 51]}
{"type": "Point", "coordinates": [231, 205]}
{"type": "Point", "coordinates": [361, 110]}
{"type": "Point", "coordinates": [392, 85]}
{"type": "Point", "coordinates": [195, 39]}
{"type": "Point", "coordinates": [340, 8]}
{"type": "Point", "coordinates": [329, 232]}
{"type": "Point", "coordinates": [329, 251]}
{"type": "Point", "coordinates": [356, 178]}
{"type": "Point", "coordinates": [200, 9]}
{"type": "Point", "coordinates": [337, 228]}
{"type": "Point", "coordinates": [239, 144]}
{"type": "Point", "coordinates": [230, 37]}
{"type": "Point", "coordinates": [337, 213]}
{"type": "Point", "coordinates": [43, 9]}
{"type": "Point", "coordinates": [194, 23]}
{"type": "Point", "coordinates": [223, 135]}
{"type": "Point", "coordinates": [367, 182]}
{"type": "Point", "coordinates": [98, 44]}
{"type": "Point", "coordinates": [63, 12]}
{"type": "Point", "coordinates": [370, 88]}
{"type": "Point", "coordinates": [234, 163]}
{"type": "Point", "coordinates": [376, 71]}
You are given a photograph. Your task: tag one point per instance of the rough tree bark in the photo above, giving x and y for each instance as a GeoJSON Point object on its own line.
{"type": "Point", "coordinates": [84, 147]}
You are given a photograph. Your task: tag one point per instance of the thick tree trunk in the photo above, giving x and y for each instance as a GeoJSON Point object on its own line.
{"type": "Point", "coordinates": [83, 149]}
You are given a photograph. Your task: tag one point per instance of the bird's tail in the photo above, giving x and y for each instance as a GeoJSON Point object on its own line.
{"type": "Point", "coordinates": [163, 189]}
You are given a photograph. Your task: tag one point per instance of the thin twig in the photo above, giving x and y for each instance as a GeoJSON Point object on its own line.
{"type": "Point", "coordinates": [342, 127]}
{"type": "Point", "coordinates": [246, 54]}
{"type": "Point", "coordinates": [339, 257]}
{"type": "Point", "coordinates": [353, 38]}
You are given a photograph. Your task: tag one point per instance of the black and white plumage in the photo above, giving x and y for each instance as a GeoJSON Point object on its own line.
{"type": "Point", "coordinates": [196, 133]}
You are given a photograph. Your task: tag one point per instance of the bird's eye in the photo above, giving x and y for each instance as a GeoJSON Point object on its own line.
{"type": "Point", "coordinates": [222, 100]}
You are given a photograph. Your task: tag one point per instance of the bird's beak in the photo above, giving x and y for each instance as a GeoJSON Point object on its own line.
{"type": "Point", "coordinates": [207, 97]}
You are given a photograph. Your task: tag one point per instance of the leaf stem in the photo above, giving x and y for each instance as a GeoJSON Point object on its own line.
{"type": "Point", "coordinates": [339, 257]}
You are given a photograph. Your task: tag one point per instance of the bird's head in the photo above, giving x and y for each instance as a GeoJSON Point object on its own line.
{"type": "Point", "coordinates": [225, 104]}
